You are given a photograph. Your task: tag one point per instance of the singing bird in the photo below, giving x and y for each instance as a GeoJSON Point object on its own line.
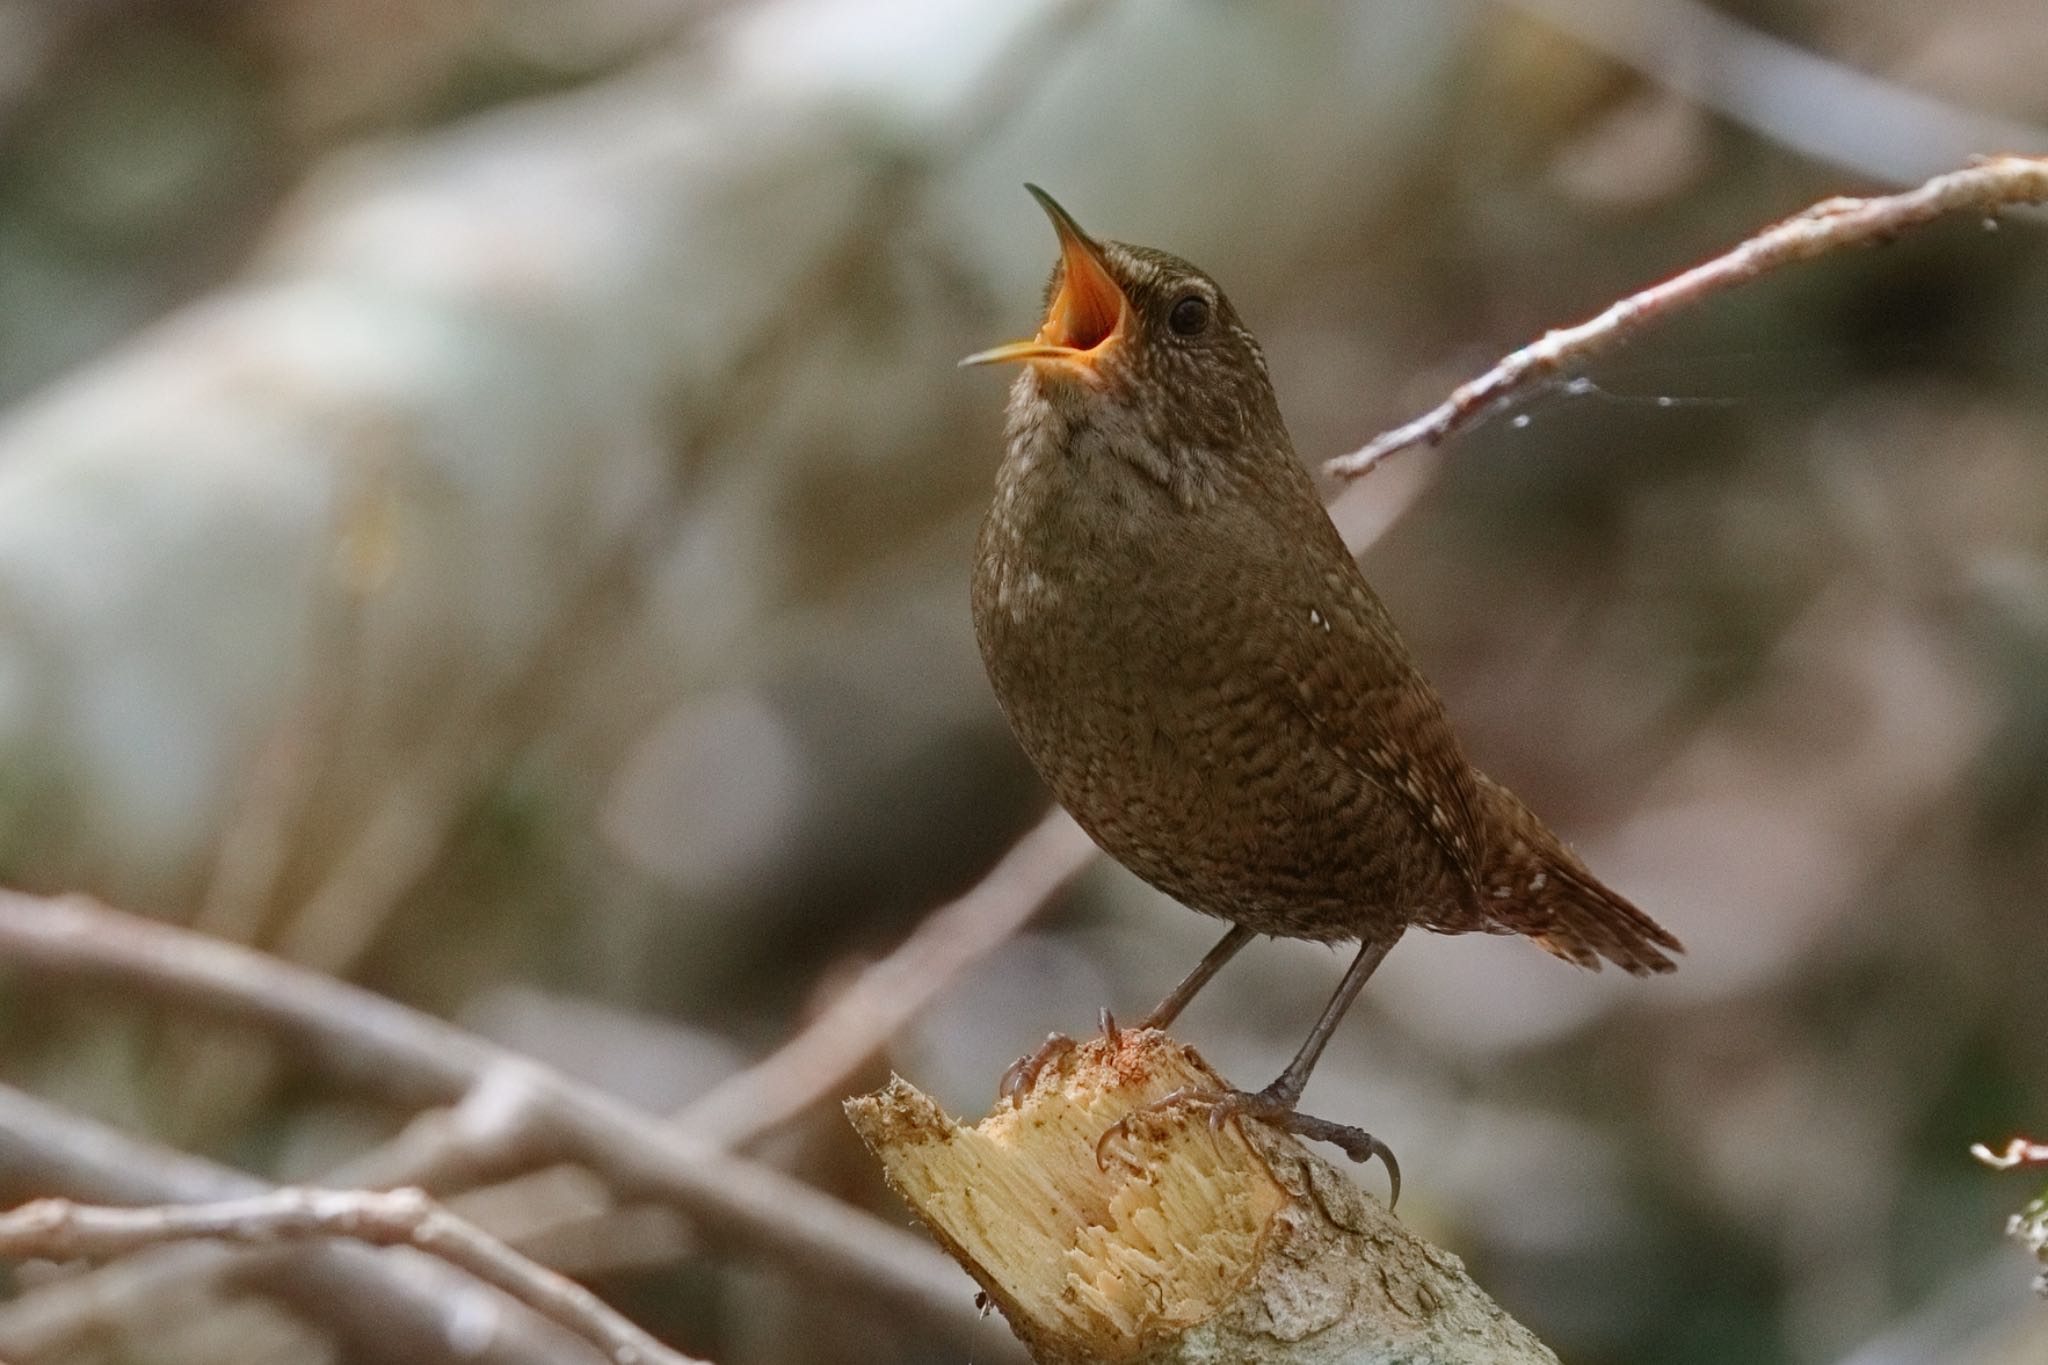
{"type": "Point", "coordinates": [1198, 668]}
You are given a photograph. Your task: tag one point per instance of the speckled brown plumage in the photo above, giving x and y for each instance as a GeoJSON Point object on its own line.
{"type": "Point", "coordinates": [1200, 671]}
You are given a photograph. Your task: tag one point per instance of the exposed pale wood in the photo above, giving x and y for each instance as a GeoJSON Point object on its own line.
{"type": "Point", "coordinates": [1208, 1245]}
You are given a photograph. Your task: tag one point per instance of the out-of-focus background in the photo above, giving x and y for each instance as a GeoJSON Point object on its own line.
{"type": "Point", "coordinates": [486, 505]}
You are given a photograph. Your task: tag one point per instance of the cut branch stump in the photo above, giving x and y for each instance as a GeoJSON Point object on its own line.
{"type": "Point", "coordinates": [1205, 1245]}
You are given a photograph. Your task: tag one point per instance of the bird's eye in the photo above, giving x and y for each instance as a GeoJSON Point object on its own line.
{"type": "Point", "coordinates": [1189, 316]}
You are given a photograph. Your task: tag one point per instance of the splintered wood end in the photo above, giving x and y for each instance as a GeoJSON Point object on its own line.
{"type": "Point", "coordinates": [1207, 1244]}
{"type": "Point", "coordinates": [1108, 1257]}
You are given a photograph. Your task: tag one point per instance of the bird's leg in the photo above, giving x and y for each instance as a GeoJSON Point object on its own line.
{"type": "Point", "coordinates": [1287, 1087]}
{"type": "Point", "coordinates": [1023, 1073]}
{"type": "Point", "coordinates": [1275, 1104]}
{"type": "Point", "coordinates": [1169, 1009]}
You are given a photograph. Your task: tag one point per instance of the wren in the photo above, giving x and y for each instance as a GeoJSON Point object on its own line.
{"type": "Point", "coordinates": [1195, 664]}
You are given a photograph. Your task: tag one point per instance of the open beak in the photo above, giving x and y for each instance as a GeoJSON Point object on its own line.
{"type": "Point", "coordinates": [1087, 313]}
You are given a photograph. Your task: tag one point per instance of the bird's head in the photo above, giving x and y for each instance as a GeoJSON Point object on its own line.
{"type": "Point", "coordinates": [1141, 346]}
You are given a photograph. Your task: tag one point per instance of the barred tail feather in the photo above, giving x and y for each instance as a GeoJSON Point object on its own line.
{"type": "Point", "coordinates": [1533, 885]}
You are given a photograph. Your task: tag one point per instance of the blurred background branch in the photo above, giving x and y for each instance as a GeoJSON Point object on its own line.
{"type": "Point", "coordinates": [381, 1307]}
{"type": "Point", "coordinates": [1877, 129]}
{"type": "Point", "coordinates": [414, 1059]}
{"type": "Point", "coordinates": [63, 1230]}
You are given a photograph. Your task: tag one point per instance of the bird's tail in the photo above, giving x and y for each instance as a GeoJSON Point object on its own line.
{"type": "Point", "coordinates": [1533, 885]}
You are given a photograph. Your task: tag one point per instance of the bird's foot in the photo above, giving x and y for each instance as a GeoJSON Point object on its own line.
{"type": "Point", "coordinates": [1023, 1074]}
{"type": "Point", "coordinates": [1267, 1107]}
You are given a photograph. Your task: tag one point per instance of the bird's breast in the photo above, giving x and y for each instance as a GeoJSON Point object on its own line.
{"type": "Point", "coordinates": [1152, 662]}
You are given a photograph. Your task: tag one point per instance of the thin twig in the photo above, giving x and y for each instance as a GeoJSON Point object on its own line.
{"type": "Point", "coordinates": [493, 1130]}
{"type": "Point", "coordinates": [2018, 1152]}
{"type": "Point", "coordinates": [59, 1229]}
{"type": "Point", "coordinates": [891, 992]}
{"type": "Point", "coordinates": [1996, 183]}
{"type": "Point", "coordinates": [421, 1060]}
{"type": "Point", "coordinates": [380, 1308]}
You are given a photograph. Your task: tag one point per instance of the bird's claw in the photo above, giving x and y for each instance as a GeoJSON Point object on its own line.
{"type": "Point", "coordinates": [1120, 1131]}
{"type": "Point", "coordinates": [1224, 1105]}
{"type": "Point", "coordinates": [1104, 1153]}
{"type": "Point", "coordinates": [1023, 1074]}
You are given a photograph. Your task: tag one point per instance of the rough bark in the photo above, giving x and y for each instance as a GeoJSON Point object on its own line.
{"type": "Point", "coordinates": [1228, 1244]}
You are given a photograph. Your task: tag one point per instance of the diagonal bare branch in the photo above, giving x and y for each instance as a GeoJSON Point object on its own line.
{"type": "Point", "coordinates": [1999, 182]}
{"type": "Point", "coordinates": [890, 993]}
